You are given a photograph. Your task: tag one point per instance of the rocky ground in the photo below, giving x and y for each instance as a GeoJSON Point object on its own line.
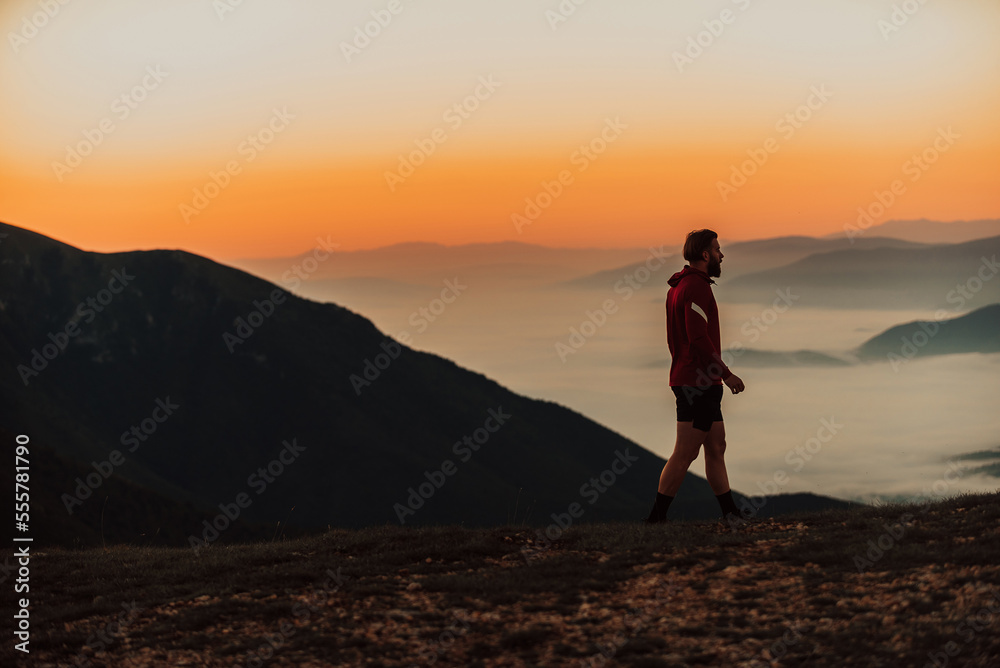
{"type": "Point", "coordinates": [896, 585]}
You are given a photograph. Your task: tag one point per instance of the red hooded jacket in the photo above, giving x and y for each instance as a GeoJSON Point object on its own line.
{"type": "Point", "coordinates": [693, 330]}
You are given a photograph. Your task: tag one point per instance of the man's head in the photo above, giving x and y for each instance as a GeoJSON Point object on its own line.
{"type": "Point", "coordinates": [701, 250]}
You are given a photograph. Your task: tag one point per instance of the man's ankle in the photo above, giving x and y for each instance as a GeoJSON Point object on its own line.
{"type": "Point", "coordinates": [727, 503]}
{"type": "Point", "coordinates": [660, 506]}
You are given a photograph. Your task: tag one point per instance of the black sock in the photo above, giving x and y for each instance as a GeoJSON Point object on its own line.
{"type": "Point", "coordinates": [659, 511]}
{"type": "Point", "coordinates": [727, 503]}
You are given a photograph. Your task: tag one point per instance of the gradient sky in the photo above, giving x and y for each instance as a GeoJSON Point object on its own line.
{"type": "Point", "coordinates": [324, 172]}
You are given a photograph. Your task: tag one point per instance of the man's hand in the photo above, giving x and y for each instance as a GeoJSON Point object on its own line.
{"type": "Point", "coordinates": [735, 383]}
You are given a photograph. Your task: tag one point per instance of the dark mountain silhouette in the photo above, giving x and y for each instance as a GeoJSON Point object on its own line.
{"type": "Point", "coordinates": [889, 278]}
{"type": "Point", "coordinates": [117, 511]}
{"type": "Point", "coordinates": [219, 414]}
{"type": "Point", "coordinates": [974, 332]}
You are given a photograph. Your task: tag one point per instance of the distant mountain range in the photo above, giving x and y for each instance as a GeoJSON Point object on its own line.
{"type": "Point", "coordinates": [420, 262]}
{"type": "Point", "coordinates": [215, 387]}
{"type": "Point", "coordinates": [927, 231]}
{"type": "Point", "coordinates": [746, 257]}
{"type": "Point", "coordinates": [425, 263]}
{"type": "Point", "coordinates": [949, 276]}
{"type": "Point", "coordinates": [982, 462]}
{"type": "Point", "coordinates": [775, 358]}
{"type": "Point", "coordinates": [895, 265]}
{"type": "Point", "coordinates": [974, 332]}
{"type": "Point", "coordinates": [413, 273]}
{"type": "Point", "coordinates": [977, 331]}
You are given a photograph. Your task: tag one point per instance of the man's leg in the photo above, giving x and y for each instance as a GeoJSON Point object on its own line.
{"type": "Point", "coordinates": [686, 449]}
{"type": "Point", "coordinates": [715, 468]}
{"type": "Point", "coordinates": [715, 462]}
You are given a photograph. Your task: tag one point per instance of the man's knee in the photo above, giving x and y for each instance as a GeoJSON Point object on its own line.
{"type": "Point", "coordinates": [685, 455]}
{"type": "Point", "coordinates": [680, 462]}
{"type": "Point", "coordinates": [715, 448]}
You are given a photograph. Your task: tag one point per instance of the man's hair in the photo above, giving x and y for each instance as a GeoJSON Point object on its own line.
{"type": "Point", "coordinates": [698, 242]}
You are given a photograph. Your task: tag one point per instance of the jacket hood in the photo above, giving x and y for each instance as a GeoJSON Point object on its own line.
{"type": "Point", "coordinates": [688, 270]}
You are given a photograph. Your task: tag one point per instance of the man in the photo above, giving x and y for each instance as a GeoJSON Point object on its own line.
{"type": "Point", "coordinates": [697, 373]}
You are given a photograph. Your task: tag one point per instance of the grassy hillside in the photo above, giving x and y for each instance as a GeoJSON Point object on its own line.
{"type": "Point", "coordinates": [894, 585]}
{"type": "Point", "coordinates": [306, 373]}
{"type": "Point", "coordinates": [115, 512]}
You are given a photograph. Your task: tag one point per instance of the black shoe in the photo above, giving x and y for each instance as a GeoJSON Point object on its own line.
{"type": "Point", "coordinates": [735, 522]}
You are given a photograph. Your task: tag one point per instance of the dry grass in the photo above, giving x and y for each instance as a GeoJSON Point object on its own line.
{"type": "Point", "coordinates": [782, 592]}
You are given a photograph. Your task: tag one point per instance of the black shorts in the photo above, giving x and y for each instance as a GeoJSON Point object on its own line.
{"type": "Point", "coordinates": [700, 405]}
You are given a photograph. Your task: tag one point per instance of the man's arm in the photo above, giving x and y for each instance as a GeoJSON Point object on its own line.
{"type": "Point", "coordinates": [696, 326]}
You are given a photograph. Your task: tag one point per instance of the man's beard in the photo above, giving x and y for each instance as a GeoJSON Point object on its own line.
{"type": "Point", "coordinates": [714, 268]}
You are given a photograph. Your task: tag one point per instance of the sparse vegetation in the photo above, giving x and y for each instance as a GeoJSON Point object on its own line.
{"type": "Point", "coordinates": [788, 590]}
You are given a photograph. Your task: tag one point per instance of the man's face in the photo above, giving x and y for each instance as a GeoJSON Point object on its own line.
{"type": "Point", "coordinates": [714, 259]}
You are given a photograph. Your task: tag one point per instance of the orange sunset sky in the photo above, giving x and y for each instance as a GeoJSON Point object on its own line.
{"type": "Point", "coordinates": [160, 96]}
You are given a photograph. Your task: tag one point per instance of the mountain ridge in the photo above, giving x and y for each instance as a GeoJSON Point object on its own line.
{"type": "Point", "coordinates": [290, 377]}
{"type": "Point", "coordinates": [891, 278]}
